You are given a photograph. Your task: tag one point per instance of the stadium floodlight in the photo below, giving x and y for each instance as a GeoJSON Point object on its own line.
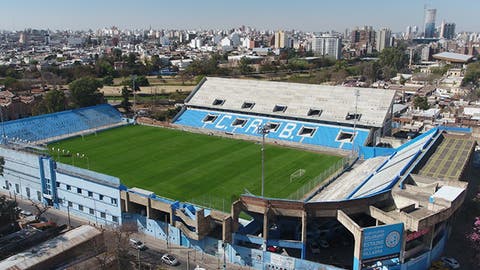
{"type": "Point", "coordinates": [357, 94]}
{"type": "Point", "coordinates": [263, 130]}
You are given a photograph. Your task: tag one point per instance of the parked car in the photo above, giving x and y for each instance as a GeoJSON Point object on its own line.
{"type": "Point", "coordinates": [450, 262]}
{"type": "Point", "coordinates": [137, 244]}
{"type": "Point", "coordinates": [169, 259]}
{"type": "Point", "coordinates": [26, 213]}
{"type": "Point", "coordinates": [274, 249]}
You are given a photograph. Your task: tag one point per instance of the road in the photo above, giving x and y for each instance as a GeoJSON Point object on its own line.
{"type": "Point", "coordinates": [155, 248]}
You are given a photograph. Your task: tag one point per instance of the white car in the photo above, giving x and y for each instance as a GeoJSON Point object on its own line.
{"type": "Point", "coordinates": [137, 244]}
{"type": "Point", "coordinates": [169, 259]}
{"type": "Point", "coordinates": [450, 262]}
{"type": "Point", "coordinates": [26, 213]}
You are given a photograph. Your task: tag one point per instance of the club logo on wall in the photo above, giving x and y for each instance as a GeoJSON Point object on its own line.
{"type": "Point", "coordinates": [392, 239]}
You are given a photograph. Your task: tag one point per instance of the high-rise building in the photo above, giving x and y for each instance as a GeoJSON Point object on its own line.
{"type": "Point", "coordinates": [281, 40]}
{"type": "Point", "coordinates": [383, 39]}
{"type": "Point", "coordinates": [408, 32]}
{"type": "Point", "coordinates": [327, 45]}
{"type": "Point", "coordinates": [447, 30]}
{"type": "Point", "coordinates": [430, 14]}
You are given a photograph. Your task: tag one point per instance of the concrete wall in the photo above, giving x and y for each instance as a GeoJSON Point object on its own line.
{"type": "Point", "coordinates": [22, 173]}
{"type": "Point", "coordinates": [103, 199]}
{"type": "Point", "coordinates": [56, 184]}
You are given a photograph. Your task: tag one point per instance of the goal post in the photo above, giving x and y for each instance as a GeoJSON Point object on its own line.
{"type": "Point", "coordinates": [297, 174]}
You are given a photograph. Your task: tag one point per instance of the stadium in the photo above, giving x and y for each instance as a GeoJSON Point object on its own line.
{"type": "Point", "coordinates": [268, 175]}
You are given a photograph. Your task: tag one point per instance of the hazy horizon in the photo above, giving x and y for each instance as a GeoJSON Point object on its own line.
{"type": "Point", "coordinates": [306, 15]}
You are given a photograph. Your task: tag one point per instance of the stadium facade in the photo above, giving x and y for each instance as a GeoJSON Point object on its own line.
{"type": "Point", "coordinates": [389, 207]}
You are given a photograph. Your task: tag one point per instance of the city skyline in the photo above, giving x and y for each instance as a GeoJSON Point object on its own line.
{"type": "Point", "coordinates": [302, 15]}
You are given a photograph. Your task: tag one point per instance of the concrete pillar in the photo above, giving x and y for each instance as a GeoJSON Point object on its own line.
{"type": "Point", "coordinates": [429, 238]}
{"type": "Point", "coordinates": [236, 209]}
{"type": "Point", "coordinates": [304, 235]}
{"type": "Point", "coordinates": [227, 230]}
{"type": "Point", "coordinates": [149, 208]}
{"type": "Point", "coordinates": [357, 251]}
{"type": "Point", "coordinates": [265, 227]}
{"type": "Point", "coordinates": [127, 202]}
{"type": "Point", "coordinates": [404, 245]}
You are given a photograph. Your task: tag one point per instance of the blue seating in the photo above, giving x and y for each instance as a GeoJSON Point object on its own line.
{"type": "Point", "coordinates": [287, 130]}
{"type": "Point", "coordinates": [46, 126]}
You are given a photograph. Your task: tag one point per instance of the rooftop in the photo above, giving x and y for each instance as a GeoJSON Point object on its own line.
{"type": "Point", "coordinates": [453, 57]}
{"type": "Point", "coordinates": [333, 103]}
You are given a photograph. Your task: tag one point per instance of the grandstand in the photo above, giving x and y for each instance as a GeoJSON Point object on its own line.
{"type": "Point", "coordinates": [411, 191]}
{"type": "Point", "coordinates": [59, 125]}
{"type": "Point", "coordinates": [301, 113]}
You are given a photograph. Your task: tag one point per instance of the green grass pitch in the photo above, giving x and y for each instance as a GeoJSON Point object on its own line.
{"type": "Point", "coordinates": [192, 167]}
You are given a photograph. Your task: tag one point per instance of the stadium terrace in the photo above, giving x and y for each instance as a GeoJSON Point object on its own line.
{"type": "Point", "coordinates": [348, 204]}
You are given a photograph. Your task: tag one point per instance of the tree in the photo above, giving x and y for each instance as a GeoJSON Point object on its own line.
{"type": "Point", "coordinates": [393, 60]}
{"type": "Point", "coordinates": [370, 70]}
{"type": "Point", "coordinates": [84, 92]}
{"type": "Point", "coordinates": [421, 103]}
{"type": "Point", "coordinates": [40, 209]}
{"type": "Point", "coordinates": [54, 101]}
{"type": "Point", "coordinates": [8, 211]}
{"type": "Point", "coordinates": [107, 80]}
{"type": "Point", "coordinates": [472, 76]}
{"type": "Point", "coordinates": [243, 65]}
{"type": "Point", "coordinates": [125, 96]}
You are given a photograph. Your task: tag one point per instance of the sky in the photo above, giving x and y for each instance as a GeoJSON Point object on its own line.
{"type": "Point", "coordinates": [306, 15]}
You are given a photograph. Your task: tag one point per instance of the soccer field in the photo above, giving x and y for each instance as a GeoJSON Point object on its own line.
{"type": "Point", "coordinates": [192, 167]}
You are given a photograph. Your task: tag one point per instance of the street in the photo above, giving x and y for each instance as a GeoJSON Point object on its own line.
{"type": "Point", "coordinates": [188, 258]}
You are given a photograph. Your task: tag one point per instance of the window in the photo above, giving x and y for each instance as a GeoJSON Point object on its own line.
{"type": "Point", "coordinates": [352, 116]}
{"type": "Point", "coordinates": [115, 219]}
{"type": "Point", "coordinates": [90, 194]}
{"type": "Point", "coordinates": [79, 190]}
{"type": "Point", "coordinates": [80, 207]}
{"type": "Point", "coordinates": [69, 187]}
{"type": "Point", "coordinates": [39, 196]}
{"type": "Point", "coordinates": [57, 184]}
{"type": "Point", "coordinates": [248, 105]}
{"type": "Point", "coordinates": [17, 188]}
{"type": "Point", "coordinates": [279, 108]}
{"type": "Point", "coordinates": [345, 136]}
{"type": "Point", "coordinates": [314, 112]}
{"type": "Point", "coordinates": [91, 211]}
{"type": "Point", "coordinates": [103, 215]}
{"type": "Point", "coordinates": [307, 131]}
{"type": "Point", "coordinates": [218, 102]}
{"type": "Point", "coordinates": [272, 126]}
{"type": "Point", "coordinates": [113, 201]}
{"type": "Point", "coordinates": [210, 118]}
{"type": "Point", "coordinates": [100, 197]}
{"type": "Point", "coordinates": [239, 122]}
{"type": "Point", "coordinates": [27, 189]}
{"type": "Point", "coordinates": [7, 187]}
{"type": "Point", "coordinates": [70, 204]}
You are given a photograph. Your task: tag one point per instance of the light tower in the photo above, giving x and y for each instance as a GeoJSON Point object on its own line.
{"type": "Point", "coordinates": [263, 130]}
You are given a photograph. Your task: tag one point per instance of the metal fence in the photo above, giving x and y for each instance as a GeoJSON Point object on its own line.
{"type": "Point", "coordinates": [215, 201]}
{"type": "Point", "coordinates": [323, 179]}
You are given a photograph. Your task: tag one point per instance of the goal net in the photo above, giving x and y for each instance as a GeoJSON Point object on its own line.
{"type": "Point", "coordinates": [296, 174]}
